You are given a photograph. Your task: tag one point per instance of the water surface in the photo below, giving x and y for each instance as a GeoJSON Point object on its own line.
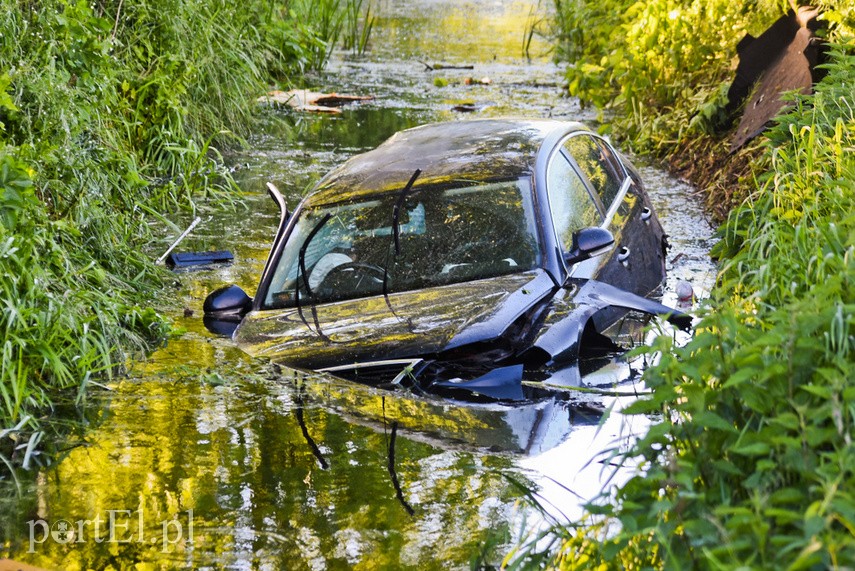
{"type": "Point", "coordinates": [204, 458]}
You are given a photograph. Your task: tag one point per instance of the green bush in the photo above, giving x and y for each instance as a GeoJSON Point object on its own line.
{"type": "Point", "coordinates": [111, 116]}
{"type": "Point", "coordinates": [61, 323]}
{"type": "Point", "coordinates": [753, 464]}
{"type": "Point", "coordinates": [660, 67]}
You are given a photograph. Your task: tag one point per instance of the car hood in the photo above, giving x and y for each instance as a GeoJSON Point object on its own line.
{"type": "Point", "coordinates": [398, 326]}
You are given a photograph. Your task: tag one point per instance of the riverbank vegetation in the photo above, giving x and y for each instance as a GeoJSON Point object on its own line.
{"type": "Point", "coordinates": [113, 115]}
{"type": "Point", "coordinates": [664, 86]}
{"type": "Point", "coordinates": [751, 464]}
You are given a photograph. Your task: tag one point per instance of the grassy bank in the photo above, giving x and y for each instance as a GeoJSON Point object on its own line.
{"type": "Point", "coordinates": [664, 86]}
{"type": "Point", "coordinates": [112, 116]}
{"type": "Point", "coordinates": [752, 464]}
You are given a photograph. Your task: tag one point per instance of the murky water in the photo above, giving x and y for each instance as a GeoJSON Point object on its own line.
{"type": "Point", "coordinates": [204, 458]}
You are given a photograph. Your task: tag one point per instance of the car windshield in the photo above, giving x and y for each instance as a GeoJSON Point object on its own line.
{"type": "Point", "coordinates": [416, 238]}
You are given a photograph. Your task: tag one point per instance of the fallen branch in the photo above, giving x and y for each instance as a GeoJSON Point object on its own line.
{"type": "Point", "coordinates": [439, 66]}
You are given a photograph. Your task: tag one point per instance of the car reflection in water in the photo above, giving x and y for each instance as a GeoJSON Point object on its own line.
{"type": "Point", "coordinates": [482, 260]}
{"type": "Point", "coordinates": [525, 429]}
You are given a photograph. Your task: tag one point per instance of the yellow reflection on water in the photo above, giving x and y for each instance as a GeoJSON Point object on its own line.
{"type": "Point", "coordinates": [194, 469]}
{"type": "Point", "coordinates": [474, 31]}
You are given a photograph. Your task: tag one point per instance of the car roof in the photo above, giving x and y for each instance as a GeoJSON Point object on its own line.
{"type": "Point", "coordinates": [480, 149]}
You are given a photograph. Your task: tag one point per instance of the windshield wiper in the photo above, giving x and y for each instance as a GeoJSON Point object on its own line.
{"type": "Point", "coordinates": [396, 211]}
{"type": "Point", "coordinates": [396, 237]}
{"type": "Point", "coordinates": [301, 270]}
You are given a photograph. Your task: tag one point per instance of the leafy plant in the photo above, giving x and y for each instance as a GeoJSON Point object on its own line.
{"type": "Point", "coordinates": [752, 463]}
{"type": "Point", "coordinates": [359, 26]}
{"type": "Point", "coordinates": [670, 63]}
{"type": "Point", "coordinates": [321, 38]}
{"type": "Point", "coordinates": [113, 114]}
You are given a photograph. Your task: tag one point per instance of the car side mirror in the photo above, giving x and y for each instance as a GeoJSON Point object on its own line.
{"type": "Point", "coordinates": [227, 301]}
{"type": "Point", "coordinates": [224, 309]}
{"type": "Point", "coordinates": [587, 243]}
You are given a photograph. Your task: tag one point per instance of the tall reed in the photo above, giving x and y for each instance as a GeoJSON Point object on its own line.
{"type": "Point", "coordinates": [358, 23]}
{"type": "Point", "coordinates": [112, 114]}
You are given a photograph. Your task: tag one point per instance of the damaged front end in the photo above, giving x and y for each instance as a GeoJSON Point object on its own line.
{"type": "Point", "coordinates": [542, 350]}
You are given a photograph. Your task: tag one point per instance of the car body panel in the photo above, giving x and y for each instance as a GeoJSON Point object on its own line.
{"type": "Point", "coordinates": [482, 335]}
{"type": "Point", "coordinates": [487, 149]}
{"type": "Point", "coordinates": [406, 324]}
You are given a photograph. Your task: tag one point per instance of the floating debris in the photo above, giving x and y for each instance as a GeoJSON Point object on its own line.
{"type": "Point", "coordinates": [179, 239]}
{"type": "Point", "coordinates": [312, 101]}
{"type": "Point", "coordinates": [476, 81]}
{"type": "Point", "coordinates": [685, 294]}
{"type": "Point", "coordinates": [470, 107]}
{"type": "Point", "coordinates": [186, 259]}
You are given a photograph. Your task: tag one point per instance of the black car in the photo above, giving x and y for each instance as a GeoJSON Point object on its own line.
{"type": "Point", "coordinates": [471, 259]}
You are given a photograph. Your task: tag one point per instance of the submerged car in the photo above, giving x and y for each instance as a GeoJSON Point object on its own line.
{"type": "Point", "coordinates": [469, 259]}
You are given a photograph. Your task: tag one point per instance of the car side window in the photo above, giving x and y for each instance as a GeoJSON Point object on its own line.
{"type": "Point", "coordinates": [571, 204]}
{"type": "Point", "coordinates": [598, 163]}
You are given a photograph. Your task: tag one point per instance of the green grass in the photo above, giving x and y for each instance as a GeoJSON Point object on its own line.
{"type": "Point", "coordinates": [113, 115]}
{"type": "Point", "coordinates": [752, 464]}
{"type": "Point", "coordinates": [665, 81]}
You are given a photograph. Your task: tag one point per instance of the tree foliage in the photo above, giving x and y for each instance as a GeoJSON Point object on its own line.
{"type": "Point", "coordinates": [661, 68]}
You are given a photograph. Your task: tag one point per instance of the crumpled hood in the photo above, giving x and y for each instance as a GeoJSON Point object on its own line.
{"type": "Point", "coordinates": [402, 325]}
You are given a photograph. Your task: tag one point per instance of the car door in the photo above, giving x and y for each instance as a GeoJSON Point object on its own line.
{"type": "Point", "coordinates": [572, 204]}
{"type": "Point", "coordinates": [636, 262]}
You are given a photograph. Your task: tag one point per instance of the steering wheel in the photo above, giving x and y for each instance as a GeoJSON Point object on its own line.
{"type": "Point", "coordinates": [351, 278]}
